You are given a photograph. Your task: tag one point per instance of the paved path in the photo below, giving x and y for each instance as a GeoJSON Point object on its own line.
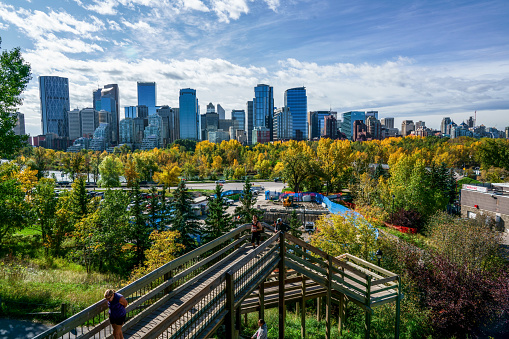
{"type": "Point", "coordinates": [20, 329]}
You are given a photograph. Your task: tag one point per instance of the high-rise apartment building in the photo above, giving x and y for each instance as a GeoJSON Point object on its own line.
{"type": "Point", "coordinates": [419, 124]}
{"type": "Point", "coordinates": [407, 126]}
{"type": "Point", "coordinates": [188, 115]}
{"type": "Point", "coordinates": [443, 126]}
{"type": "Point", "coordinates": [316, 123]}
{"type": "Point", "coordinates": [263, 107]}
{"type": "Point", "coordinates": [374, 127]}
{"type": "Point", "coordinates": [239, 118]}
{"type": "Point", "coordinates": [330, 129]}
{"type": "Point", "coordinates": [74, 124]}
{"type": "Point", "coordinates": [126, 131]}
{"type": "Point", "coordinates": [107, 99]}
{"type": "Point", "coordinates": [348, 120]}
{"type": "Point", "coordinates": [387, 122]}
{"type": "Point", "coordinates": [89, 122]}
{"type": "Point", "coordinates": [54, 96]}
{"type": "Point", "coordinates": [250, 124]}
{"type": "Point", "coordinates": [147, 96]}
{"type": "Point", "coordinates": [283, 124]}
{"type": "Point", "coordinates": [296, 101]}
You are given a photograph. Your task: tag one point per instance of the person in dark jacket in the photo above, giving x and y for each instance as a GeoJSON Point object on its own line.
{"type": "Point", "coordinates": [116, 304]}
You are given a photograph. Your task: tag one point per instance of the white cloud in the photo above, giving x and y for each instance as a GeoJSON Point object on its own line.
{"type": "Point", "coordinates": [196, 5]}
{"type": "Point", "coordinates": [113, 25]}
{"type": "Point", "coordinates": [141, 26]}
{"type": "Point", "coordinates": [51, 44]}
{"type": "Point", "coordinates": [104, 7]}
{"type": "Point", "coordinates": [229, 9]}
{"type": "Point", "coordinates": [273, 4]}
{"type": "Point", "coordinates": [3, 26]}
{"type": "Point", "coordinates": [36, 23]}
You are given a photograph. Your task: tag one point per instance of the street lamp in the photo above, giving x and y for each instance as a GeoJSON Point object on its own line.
{"type": "Point", "coordinates": [379, 255]}
{"type": "Point", "coordinates": [392, 217]}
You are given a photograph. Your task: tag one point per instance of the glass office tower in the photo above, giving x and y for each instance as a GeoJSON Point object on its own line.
{"type": "Point", "coordinates": [297, 101]}
{"type": "Point", "coordinates": [147, 96]}
{"type": "Point", "coordinates": [348, 119]}
{"type": "Point", "coordinates": [188, 114]}
{"type": "Point", "coordinates": [263, 107]}
{"type": "Point", "coordinates": [54, 95]}
{"type": "Point", "coordinates": [249, 106]}
{"type": "Point", "coordinates": [239, 115]}
{"type": "Point", "coordinates": [107, 99]}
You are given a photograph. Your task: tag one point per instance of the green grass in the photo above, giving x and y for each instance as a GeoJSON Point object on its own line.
{"type": "Point", "coordinates": [42, 285]}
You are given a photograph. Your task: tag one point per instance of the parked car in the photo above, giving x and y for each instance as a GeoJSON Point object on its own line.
{"type": "Point", "coordinates": [220, 181]}
{"type": "Point", "coordinates": [309, 227]}
{"type": "Point", "coordinates": [228, 201]}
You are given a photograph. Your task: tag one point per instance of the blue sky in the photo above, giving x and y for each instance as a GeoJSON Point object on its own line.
{"type": "Point", "coordinates": [418, 60]}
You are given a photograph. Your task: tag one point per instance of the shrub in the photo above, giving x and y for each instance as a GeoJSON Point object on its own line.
{"type": "Point", "coordinates": [408, 218]}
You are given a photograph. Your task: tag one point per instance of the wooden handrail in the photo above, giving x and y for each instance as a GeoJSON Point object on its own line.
{"type": "Point", "coordinates": [368, 264]}
{"type": "Point", "coordinates": [100, 306]}
{"type": "Point", "coordinates": [253, 254]}
{"type": "Point", "coordinates": [324, 255]}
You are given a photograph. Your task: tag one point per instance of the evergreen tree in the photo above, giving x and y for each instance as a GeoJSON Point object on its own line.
{"type": "Point", "coordinates": [183, 219]}
{"type": "Point", "coordinates": [245, 211]}
{"type": "Point", "coordinates": [140, 229]}
{"type": "Point", "coordinates": [294, 225]}
{"type": "Point", "coordinates": [79, 198]}
{"type": "Point", "coordinates": [164, 211]}
{"type": "Point", "coordinates": [44, 208]}
{"type": "Point", "coordinates": [218, 221]}
{"type": "Point", "coordinates": [154, 215]}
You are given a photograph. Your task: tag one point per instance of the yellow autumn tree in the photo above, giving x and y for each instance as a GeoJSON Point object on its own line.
{"type": "Point", "coordinates": [169, 176]}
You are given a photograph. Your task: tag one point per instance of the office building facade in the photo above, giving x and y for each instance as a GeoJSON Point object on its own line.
{"type": "Point", "coordinates": [74, 124]}
{"type": "Point", "coordinates": [283, 124]}
{"type": "Point", "coordinates": [348, 120]}
{"type": "Point", "coordinates": [250, 126]}
{"type": "Point", "coordinates": [407, 126]}
{"type": "Point", "coordinates": [443, 126]}
{"type": "Point", "coordinates": [89, 122]}
{"type": "Point", "coordinates": [107, 99]}
{"type": "Point", "coordinates": [19, 128]}
{"type": "Point", "coordinates": [239, 118]}
{"type": "Point", "coordinates": [263, 107]}
{"type": "Point", "coordinates": [296, 101]}
{"type": "Point", "coordinates": [54, 97]}
{"type": "Point", "coordinates": [316, 123]}
{"type": "Point", "coordinates": [221, 112]}
{"type": "Point", "coordinates": [387, 122]}
{"type": "Point", "coordinates": [147, 95]}
{"type": "Point", "coordinates": [188, 115]}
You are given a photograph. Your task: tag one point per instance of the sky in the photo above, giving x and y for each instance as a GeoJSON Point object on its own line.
{"type": "Point", "coordinates": [419, 60]}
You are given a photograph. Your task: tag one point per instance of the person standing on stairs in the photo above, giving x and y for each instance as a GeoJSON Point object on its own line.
{"type": "Point", "coordinates": [116, 304]}
{"type": "Point", "coordinates": [256, 231]}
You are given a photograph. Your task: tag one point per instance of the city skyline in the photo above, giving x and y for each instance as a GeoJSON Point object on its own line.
{"type": "Point", "coordinates": [419, 60]}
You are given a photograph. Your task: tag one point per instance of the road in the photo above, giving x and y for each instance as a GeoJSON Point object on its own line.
{"type": "Point", "coordinates": [267, 185]}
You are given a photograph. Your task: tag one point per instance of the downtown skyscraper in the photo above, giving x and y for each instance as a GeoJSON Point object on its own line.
{"type": "Point", "coordinates": [107, 99]}
{"type": "Point", "coordinates": [54, 96]}
{"type": "Point", "coordinates": [147, 96]}
{"type": "Point", "coordinates": [188, 114]}
{"type": "Point", "coordinates": [296, 101]}
{"type": "Point", "coordinates": [263, 107]}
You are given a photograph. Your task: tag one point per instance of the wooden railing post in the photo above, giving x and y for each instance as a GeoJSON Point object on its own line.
{"type": "Point", "coordinates": [167, 277]}
{"type": "Point", "coordinates": [328, 305]}
{"type": "Point", "coordinates": [367, 321]}
{"type": "Point", "coordinates": [282, 275]}
{"type": "Point", "coordinates": [261, 296]}
{"type": "Point", "coordinates": [230, 307]}
{"type": "Point", "coordinates": [63, 310]}
{"type": "Point", "coordinates": [398, 298]}
{"type": "Point", "coordinates": [303, 309]}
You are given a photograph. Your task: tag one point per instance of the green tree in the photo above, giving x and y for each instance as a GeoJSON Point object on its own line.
{"type": "Point", "coordinates": [246, 210]}
{"type": "Point", "coordinates": [154, 210]}
{"type": "Point", "coordinates": [218, 221]}
{"type": "Point", "coordinates": [183, 219]}
{"type": "Point", "coordinates": [44, 207]}
{"type": "Point", "coordinates": [79, 198]}
{"type": "Point", "coordinates": [72, 164]}
{"type": "Point", "coordinates": [295, 224]}
{"type": "Point", "coordinates": [140, 229]}
{"type": "Point", "coordinates": [13, 209]}
{"type": "Point", "coordinates": [345, 233]}
{"type": "Point", "coordinates": [14, 77]}
{"type": "Point", "coordinates": [296, 161]}
{"type": "Point", "coordinates": [110, 169]}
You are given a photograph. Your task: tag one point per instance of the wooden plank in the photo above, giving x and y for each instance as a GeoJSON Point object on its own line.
{"type": "Point", "coordinates": [351, 286]}
{"type": "Point", "coordinates": [370, 265]}
{"type": "Point", "coordinates": [328, 301]}
{"type": "Point", "coordinates": [307, 264]}
{"type": "Point", "coordinates": [384, 281]}
{"type": "Point", "coordinates": [309, 274]}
